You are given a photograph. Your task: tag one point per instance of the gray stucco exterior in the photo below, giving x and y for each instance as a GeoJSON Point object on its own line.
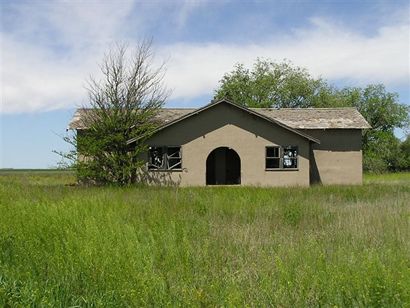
{"type": "Point", "coordinates": [227, 126]}
{"type": "Point", "coordinates": [324, 155]}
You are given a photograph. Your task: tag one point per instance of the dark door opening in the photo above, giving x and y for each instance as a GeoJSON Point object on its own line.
{"type": "Point", "coordinates": [223, 167]}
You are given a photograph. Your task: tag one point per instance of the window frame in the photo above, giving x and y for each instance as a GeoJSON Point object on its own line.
{"type": "Point", "coordinates": [272, 157]}
{"type": "Point", "coordinates": [165, 158]}
{"type": "Point", "coordinates": [281, 150]}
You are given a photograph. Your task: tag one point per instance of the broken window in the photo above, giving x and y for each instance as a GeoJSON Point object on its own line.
{"type": "Point", "coordinates": [290, 157]}
{"type": "Point", "coordinates": [174, 158]}
{"type": "Point", "coordinates": [281, 157]}
{"type": "Point", "coordinates": [164, 158]}
{"type": "Point", "coordinates": [272, 160]}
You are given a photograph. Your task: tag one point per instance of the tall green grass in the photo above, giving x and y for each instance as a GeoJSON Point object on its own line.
{"type": "Point", "coordinates": [62, 245]}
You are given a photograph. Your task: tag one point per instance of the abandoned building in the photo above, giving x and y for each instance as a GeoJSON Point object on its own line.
{"type": "Point", "coordinates": [224, 143]}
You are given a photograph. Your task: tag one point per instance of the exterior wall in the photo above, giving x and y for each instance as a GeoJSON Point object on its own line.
{"type": "Point", "coordinates": [227, 126]}
{"type": "Point", "coordinates": [338, 157]}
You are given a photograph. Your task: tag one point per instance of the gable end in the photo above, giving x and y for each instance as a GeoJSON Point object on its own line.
{"type": "Point", "coordinates": [252, 112]}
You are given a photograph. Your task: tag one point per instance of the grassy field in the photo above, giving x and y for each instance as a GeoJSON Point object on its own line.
{"type": "Point", "coordinates": [62, 245]}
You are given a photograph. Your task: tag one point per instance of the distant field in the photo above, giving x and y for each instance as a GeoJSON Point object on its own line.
{"type": "Point", "coordinates": [63, 245]}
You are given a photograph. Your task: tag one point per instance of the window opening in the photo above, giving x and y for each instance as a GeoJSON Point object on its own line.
{"type": "Point", "coordinates": [164, 158]}
{"type": "Point", "coordinates": [272, 160]}
{"type": "Point", "coordinates": [285, 157]}
{"type": "Point", "coordinates": [290, 157]}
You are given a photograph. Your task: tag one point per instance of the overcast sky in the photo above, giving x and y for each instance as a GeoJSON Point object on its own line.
{"type": "Point", "coordinates": [50, 48]}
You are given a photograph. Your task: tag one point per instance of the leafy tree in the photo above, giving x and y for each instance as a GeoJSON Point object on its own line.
{"type": "Point", "coordinates": [380, 108]}
{"type": "Point", "coordinates": [283, 85]}
{"type": "Point", "coordinates": [405, 149]}
{"type": "Point", "coordinates": [382, 152]}
{"type": "Point", "coordinates": [384, 113]}
{"type": "Point", "coordinates": [122, 105]}
{"type": "Point", "coordinates": [271, 84]}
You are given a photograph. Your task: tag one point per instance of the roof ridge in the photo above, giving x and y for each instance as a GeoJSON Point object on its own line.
{"type": "Point", "coordinates": [162, 108]}
{"type": "Point", "coordinates": [293, 118]}
{"type": "Point", "coordinates": [272, 108]}
{"type": "Point", "coordinates": [266, 108]}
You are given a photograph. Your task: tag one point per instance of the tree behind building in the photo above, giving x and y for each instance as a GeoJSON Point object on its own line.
{"type": "Point", "coordinates": [284, 85]}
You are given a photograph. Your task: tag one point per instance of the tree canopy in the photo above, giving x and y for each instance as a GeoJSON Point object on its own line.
{"type": "Point", "coordinates": [284, 85]}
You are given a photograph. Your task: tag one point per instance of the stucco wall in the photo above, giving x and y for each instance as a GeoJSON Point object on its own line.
{"type": "Point", "coordinates": [338, 157]}
{"type": "Point", "coordinates": [228, 126]}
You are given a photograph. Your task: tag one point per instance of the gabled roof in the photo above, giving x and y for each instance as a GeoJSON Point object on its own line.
{"type": "Point", "coordinates": [214, 103]}
{"type": "Point", "coordinates": [291, 119]}
{"type": "Point", "coordinates": [296, 118]}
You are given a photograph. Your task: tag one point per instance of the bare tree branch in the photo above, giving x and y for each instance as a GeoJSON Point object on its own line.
{"type": "Point", "coordinates": [122, 106]}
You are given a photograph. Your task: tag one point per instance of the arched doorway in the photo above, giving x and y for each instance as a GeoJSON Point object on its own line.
{"type": "Point", "coordinates": [223, 167]}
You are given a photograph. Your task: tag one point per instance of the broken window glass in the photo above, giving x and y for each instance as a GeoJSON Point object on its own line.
{"type": "Point", "coordinates": [164, 158]}
{"type": "Point", "coordinates": [174, 158]}
{"type": "Point", "coordinates": [290, 157]}
{"type": "Point", "coordinates": [281, 157]}
{"type": "Point", "coordinates": [156, 158]}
